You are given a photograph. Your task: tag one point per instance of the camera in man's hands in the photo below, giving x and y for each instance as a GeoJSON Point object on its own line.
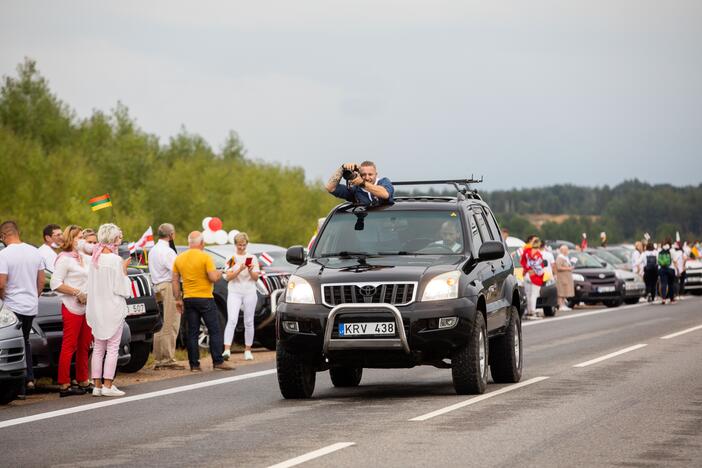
{"type": "Point", "coordinates": [350, 175]}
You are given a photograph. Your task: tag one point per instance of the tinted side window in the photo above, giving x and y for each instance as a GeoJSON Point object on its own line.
{"type": "Point", "coordinates": [482, 225]}
{"type": "Point", "coordinates": [475, 238]}
{"type": "Point", "coordinates": [492, 224]}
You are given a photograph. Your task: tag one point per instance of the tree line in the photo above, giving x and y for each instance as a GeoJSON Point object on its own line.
{"type": "Point", "coordinates": [52, 163]}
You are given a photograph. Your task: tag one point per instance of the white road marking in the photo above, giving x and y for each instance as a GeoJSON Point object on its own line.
{"type": "Point", "coordinates": [104, 402]}
{"type": "Point", "coordinates": [589, 314]}
{"type": "Point", "coordinates": [312, 455]}
{"type": "Point", "coordinates": [478, 399]}
{"type": "Point", "coordinates": [673, 335]}
{"type": "Point", "coordinates": [611, 355]}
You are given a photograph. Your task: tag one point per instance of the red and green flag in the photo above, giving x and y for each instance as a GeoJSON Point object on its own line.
{"type": "Point", "coordinates": [98, 203]}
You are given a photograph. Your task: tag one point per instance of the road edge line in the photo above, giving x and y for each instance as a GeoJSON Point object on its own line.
{"type": "Point", "coordinates": [610, 355]}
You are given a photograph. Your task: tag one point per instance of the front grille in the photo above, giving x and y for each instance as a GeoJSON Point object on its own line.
{"type": "Point", "coordinates": [398, 294]}
{"type": "Point", "coordinates": [273, 282]}
{"type": "Point", "coordinates": [11, 355]}
{"type": "Point", "coordinates": [140, 286]}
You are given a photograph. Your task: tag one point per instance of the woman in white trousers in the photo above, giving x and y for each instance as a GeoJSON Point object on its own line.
{"type": "Point", "coordinates": [242, 273]}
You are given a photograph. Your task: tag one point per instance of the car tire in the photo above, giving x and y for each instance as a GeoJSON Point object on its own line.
{"type": "Point", "coordinates": [469, 364]}
{"type": "Point", "coordinates": [140, 354]}
{"type": "Point", "coordinates": [296, 378]}
{"type": "Point", "coordinates": [346, 376]}
{"type": "Point", "coordinates": [9, 392]}
{"type": "Point", "coordinates": [506, 355]}
{"type": "Point", "coordinates": [549, 311]}
{"type": "Point", "coordinates": [614, 303]}
{"type": "Point", "coordinates": [572, 303]}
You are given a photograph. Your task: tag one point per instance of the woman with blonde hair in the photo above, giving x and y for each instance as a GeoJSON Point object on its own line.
{"type": "Point", "coordinates": [70, 280]}
{"type": "Point", "coordinates": [108, 289]}
{"type": "Point", "coordinates": [242, 273]}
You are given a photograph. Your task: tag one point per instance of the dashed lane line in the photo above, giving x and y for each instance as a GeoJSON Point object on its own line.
{"type": "Point", "coordinates": [478, 399]}
{"type": "Point", "coordinates": [682, 332]}
{"type": "Point", "coordinates": [312, 455]}
{"type": "Point", "coordinates": [144, 396]}
{"type": "Point", "coordinates": [610, 355]}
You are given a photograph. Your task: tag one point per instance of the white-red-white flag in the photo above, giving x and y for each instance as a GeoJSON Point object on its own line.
{"type": "Point", "coordinates": [265, 258]}
{"type": "Point", "coordinates": [146, 241]}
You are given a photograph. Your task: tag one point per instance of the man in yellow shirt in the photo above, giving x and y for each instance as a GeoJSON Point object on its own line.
{"type": "Point", "coordinates": [198, 273]}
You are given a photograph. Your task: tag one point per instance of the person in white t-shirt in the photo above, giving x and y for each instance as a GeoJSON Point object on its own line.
{"type": "Point", "coordinates": [53, 239]}
{"type": "Point", "coordinates": [242, 273]}
{"type": "Point", "coordinates": [70, 279]}
{"type": "Point", "coordinates": [21, 283]}
{"type": "Point", "coordinates": [161, 258]}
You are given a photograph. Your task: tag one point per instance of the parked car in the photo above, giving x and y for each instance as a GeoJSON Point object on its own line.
{"type": "Point", "coordinates": [269, 288]}
{"type": "Point", "coordinates": [624, 253]}
{"type": "Point", "coordinates": [693, 277]}
{"type": "Point", "coordinates": [12, 361]}
{"type": "Point", "coordinates": [548, 295]}
{"type": "Point", "coordinates": [593, 282]}
{"type": "Point", "coordinates": [634, 286]}
{"type": "Point", "coordinates": [554, 245]}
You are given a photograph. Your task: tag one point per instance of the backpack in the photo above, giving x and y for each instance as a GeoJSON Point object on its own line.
{"type": "Point", "coordinates": [651, 262]}
{"type": "Point", "coordinates": [664, 259]}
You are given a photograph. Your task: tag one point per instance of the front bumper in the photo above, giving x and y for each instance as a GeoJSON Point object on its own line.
{"type": "Point", "coordinates": [693, 281]}
{"type": "Point", "coordinates": [12, 362]}
{"type": "Point", "coordinates": [587, 292]}
{"type": "Point", "coordinates": [417, 338]}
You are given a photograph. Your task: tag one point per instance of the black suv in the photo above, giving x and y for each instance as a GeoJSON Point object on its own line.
{"type": "Point", "coordinates": [425, 281]}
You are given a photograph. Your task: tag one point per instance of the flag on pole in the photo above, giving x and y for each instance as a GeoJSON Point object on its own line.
{"type": "Point", "coordinates": [583, 243]}
{"type": "Point", "coordinates": [145, 242]}
{"type": "Point", "coordinates": [100, 202]}
{"type": "Point", "coordinates": [265, 258]}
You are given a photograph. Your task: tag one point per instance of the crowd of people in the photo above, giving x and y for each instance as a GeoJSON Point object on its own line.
{"type": "Point", "coordinates": [91, 278]}
{"type": "Point", "coordinates": [662, 267]}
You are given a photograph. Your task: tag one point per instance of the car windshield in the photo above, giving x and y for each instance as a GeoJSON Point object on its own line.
{"type": "Point", "coordinates": [623, 254]}
{"type": "Point", "coordinates": [584, 260]}
{"type": "Point", "coordinates": [608, 257]}
{"type": "Point", "coordinates": [391, 232]}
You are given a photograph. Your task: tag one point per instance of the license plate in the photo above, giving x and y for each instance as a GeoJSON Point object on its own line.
{"type": "Point", "coordinates": [366, 328]}
{"type": "Point", "coordinates": [136, 309]}
{"type": "Point", "coordinates": [605, 289]}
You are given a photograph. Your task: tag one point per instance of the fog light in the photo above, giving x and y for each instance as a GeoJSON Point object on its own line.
{"type": "Point", "coordinates": [448, 322]}
{"type": "Point", "coordinates": [291, 326]}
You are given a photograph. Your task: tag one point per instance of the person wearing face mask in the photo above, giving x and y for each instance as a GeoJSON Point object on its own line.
{"type": "Point", "coordinates": [242, 273]}
{"type": "Point", "coordinates": [87, 243]}
{"type": "Point", "coordinates": [53, 238]}
{"type": "Point", "coordinates": [70, 279]}
{"type": "Point", "coordinates": [365, 189]}
{"type": "Point", "coordinates": [108, 289]}
{"type": "Point", "coordinates": [161, 259]}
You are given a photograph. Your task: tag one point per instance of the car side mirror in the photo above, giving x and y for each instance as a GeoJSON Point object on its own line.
{"type": "Point", "coordinates": [491, 250]}
{"type": "Point", "coordinates": [604, 264]}
{"type": "Point", "coordinates": [295, 255]}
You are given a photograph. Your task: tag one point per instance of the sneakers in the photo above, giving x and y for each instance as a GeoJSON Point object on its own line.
{"type": "Point", "coordinates": [248, 356]}
{"type": "Point", "coordinates": [112, 391]}
{"type": "Point", "coordinates": [196, 369]}
{"type": "Point", "coordinates": [226, 354]}
{"type": "Point", "coordinates": [565, 307]}
{"type": "Point", "coordinates": [223, 366]}
{"type": "Point", "coordinates": [71, 391]}
{"type": "Point", "coordinates": [97, 391]}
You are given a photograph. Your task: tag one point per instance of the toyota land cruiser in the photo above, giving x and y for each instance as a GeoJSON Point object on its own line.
{"type": "Point", "coordinates": [424, 281]}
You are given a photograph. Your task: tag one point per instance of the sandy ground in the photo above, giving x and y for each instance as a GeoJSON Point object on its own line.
{"type": "Point", "coordinates": [47, 390]}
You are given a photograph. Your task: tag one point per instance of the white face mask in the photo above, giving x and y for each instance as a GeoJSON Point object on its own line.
{"type": "Point", "coordinates": [54, 245]}
{"type": "Point", "coordinates": [85, 247]}
{"type": "Point", "coordinates": [666, 247]}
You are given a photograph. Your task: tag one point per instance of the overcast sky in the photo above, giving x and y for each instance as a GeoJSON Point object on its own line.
{"type": "Point", "coordinates": [526, 93]}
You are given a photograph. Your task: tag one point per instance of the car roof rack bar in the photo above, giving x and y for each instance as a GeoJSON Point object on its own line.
{"type": "Point", "coordinates": [462, 185]}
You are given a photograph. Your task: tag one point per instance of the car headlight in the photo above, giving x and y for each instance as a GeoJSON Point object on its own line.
{"type": "Point", "coordinates": [578, 277]}
{"type": "Point", "coordinates": [299, 291]}
{"type": "Point", "coordinates": [443, 286]}
{"type": "Point", "coordinates": [7, 318]}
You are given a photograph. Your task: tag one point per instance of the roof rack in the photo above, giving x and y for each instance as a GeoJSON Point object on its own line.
{"type": "Point", "coordinates": [462, 186]}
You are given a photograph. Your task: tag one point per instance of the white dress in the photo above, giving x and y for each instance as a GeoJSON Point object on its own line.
{"type": "Point", "coordinates": [108, 290]}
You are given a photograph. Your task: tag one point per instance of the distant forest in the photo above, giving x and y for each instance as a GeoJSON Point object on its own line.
{"type": "Point", "coordinates": [625, 212]}
{"type": "Point", "coordinates": [52, 163]}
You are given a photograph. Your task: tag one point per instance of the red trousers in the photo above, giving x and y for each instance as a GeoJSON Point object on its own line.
{"type": "Point", "coordinates": [77, 337]}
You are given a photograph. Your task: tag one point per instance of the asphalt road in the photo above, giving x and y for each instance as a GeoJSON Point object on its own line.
{"type": "Point", "coordinates": [600, 388]}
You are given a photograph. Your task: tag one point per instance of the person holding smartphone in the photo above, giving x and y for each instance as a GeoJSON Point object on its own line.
{"type": "Point", "coordinates": [241, 274]}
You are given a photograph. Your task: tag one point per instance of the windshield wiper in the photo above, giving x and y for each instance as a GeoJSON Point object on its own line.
{"type": "Point", "coordinates": [348, 254]}
{"type": "Point", "coordinates": [399, 252]}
